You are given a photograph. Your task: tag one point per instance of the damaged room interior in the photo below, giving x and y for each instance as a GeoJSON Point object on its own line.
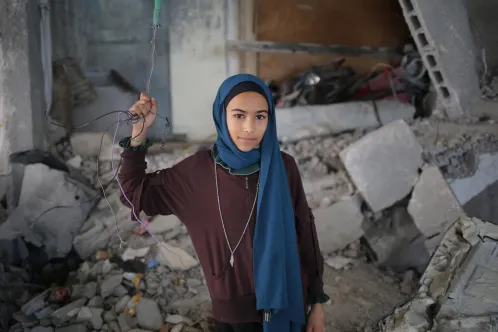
{"type": "Point", "coordinates": [389, 108]}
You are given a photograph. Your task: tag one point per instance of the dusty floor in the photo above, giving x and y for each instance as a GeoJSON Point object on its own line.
{"type": "Point", "coordinates": [359, 296]}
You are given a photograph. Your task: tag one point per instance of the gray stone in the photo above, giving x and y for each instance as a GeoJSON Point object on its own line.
{"type": "Point", "coordinates": [162, 224]}
{"type": "Point", "coordinates": [83, 272]}
{"type": "Point", "coordinates": [90, 290]}
{"type": "Point", "coordinates": [42, 329]}
{"type": "Point", "coordinates": [109, 284]}
{"type": "Point", "coordinates": [486, 174]}
{"type": "Point", "coordinates": [384, 164]}
{"type": "Point", "coordinates": [190, 303]}
{"type": "Point", "coordinates": [69, 311]}
{"type": "Point", "coordinates": [120, 291]}
{"type": "Point", "coordinates": [339, 224]}
{"type": "Point", "coordinates": [73, 328]}
{"type": "Point", "coordinates": [148, 315]}
{"type": "Point", "coordinates": [26, 321]}
{"type": "Point", "coordinates": [35, 304]}
{"type": "Point", "coordinates": [175, 258]}
{"type": "Point", "coordinates": [96, 302]}
{"type": "Point", "coordinates": [318, 120]}
{"type": "Point", "coordinates": [96, 319]}
{"type": "Point", "coordinates": [46, 312]}
{"type": "Point", "coordinates": [433, 206]}
{"type": "Point", "coordinates": [121, 304]}
{"type": "Point", "coordinates": [114, 326]}
{"type": "Point", "coordinates": [177, 319]}
{"type": "Point", "coordinates": [96, 238]}
{"type": "Point", "coordinates": [110, 316]}
{"type": "Point", "coordinates": [191, 282]}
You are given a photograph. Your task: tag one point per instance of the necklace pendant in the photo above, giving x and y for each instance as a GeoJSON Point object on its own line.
{"type": "Point", "coordinates": [231, 260]}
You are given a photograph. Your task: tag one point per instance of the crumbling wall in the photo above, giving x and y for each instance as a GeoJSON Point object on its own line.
{"type": "Point", "coordinates": [443, 37]}
{"type": "Point", "coordinates": [22, 124]}
{"type": "Point", "coordinates": [482, 14]}
{"type": "Point", "coordinates": [198, 63]}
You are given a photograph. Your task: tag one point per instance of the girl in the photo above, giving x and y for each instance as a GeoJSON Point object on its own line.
{"type": "Point", "coordinates": [245, 209]}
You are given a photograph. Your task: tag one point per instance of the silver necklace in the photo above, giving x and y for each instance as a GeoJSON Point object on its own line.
{"type": "Point", "coordinates": [221, 216]}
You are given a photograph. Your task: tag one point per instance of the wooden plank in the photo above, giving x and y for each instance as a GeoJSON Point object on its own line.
{"type": "Point", "coordinates": [247, 31]}
{"type": "Point", "coordinates": [307, 48]}
{"type": "Point", "coordinates": [377, 23]}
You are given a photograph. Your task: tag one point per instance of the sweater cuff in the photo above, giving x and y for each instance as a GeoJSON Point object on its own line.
{"type": "Point", "coordinates": [320, 299]}
{"type": "Point", "coordinates": [125, 144]}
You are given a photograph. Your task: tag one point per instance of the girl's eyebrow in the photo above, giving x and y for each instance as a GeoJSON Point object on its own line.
{"type": "Point", "coordinates": [239, 110]}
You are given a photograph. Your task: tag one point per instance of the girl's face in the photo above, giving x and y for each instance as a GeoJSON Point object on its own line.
{"type": "Point", "coordinates": [247, 119]}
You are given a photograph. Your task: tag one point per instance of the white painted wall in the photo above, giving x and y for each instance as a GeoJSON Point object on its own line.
{"type": "Point", "coordinates": [198, 63]}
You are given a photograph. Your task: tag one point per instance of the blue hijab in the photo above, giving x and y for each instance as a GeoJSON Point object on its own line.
{"type": "Point", "coordinates": [277, 274]}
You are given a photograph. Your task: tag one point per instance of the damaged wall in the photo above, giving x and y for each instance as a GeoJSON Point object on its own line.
{"type": "Point", "coordinates": [105, 35]}
{"type": "Point", "coordinates": [22, 123]}
{"type": "Point", "coordinates": [356, 23]}
{"type": "Point", "coordinates": [198, 63]}
{"type": "Point", "coordinates": [482, 14]}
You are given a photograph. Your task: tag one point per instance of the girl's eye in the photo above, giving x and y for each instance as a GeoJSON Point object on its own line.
{"type": "Point", "coordinates": [239, 116]}
{"type": "Point", "coordinates": [261, 117]}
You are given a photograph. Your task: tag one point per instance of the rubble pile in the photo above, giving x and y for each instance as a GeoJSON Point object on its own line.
{"type": "Point", "coordinates": [107, 293]}
{"type": "Point", "coordinates": [397, 187]}
{"type": "Point", "coordinates": [455, 292]}
{"type": "Point", "coordinates": [384, 193]}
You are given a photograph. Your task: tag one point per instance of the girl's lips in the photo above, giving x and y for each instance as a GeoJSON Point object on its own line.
{"type": "Point", "coordinates": [247, 139]}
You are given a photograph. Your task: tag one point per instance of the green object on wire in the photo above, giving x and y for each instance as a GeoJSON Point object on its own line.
{"type": "Point", "coordinates": [157, 10]}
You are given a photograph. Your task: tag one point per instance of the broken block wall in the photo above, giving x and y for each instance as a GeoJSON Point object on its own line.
{"type": "Point", "coordinates": [22, 121]}
{"type": "Point", "coordinates": [442, 33]}
{"type": "Point", "coordinates": [482, 14]}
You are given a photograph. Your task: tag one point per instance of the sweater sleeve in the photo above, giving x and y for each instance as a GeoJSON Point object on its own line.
{"type": "Point", "coordinates": [164, 192]}
{"type": "Point", "coordinates": [307, 237]}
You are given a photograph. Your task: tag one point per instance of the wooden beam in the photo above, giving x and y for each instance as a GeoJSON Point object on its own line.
{"type": "Point", "coordinates": [248, 60]}
{"type": "Point", "coordinates": [305, 48]}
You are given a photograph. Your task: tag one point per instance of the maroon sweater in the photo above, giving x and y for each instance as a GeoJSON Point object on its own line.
{"type": "Point", "coordinates": [188, 191]}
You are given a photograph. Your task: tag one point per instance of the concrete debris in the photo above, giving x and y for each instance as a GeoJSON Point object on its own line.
{"type": "Point", "coordinates": [303, 122]}
{"type": "Point", "coordinates": [146, 304]}
{"type": "Point", "coordinates": [456, 288]}
{"type": "Point", "coordinates": [433, 206]}
{"type": "Point", "coordinates": [51, 210]}
{"type": "Point", "coordinates": [175, 258]}
{"type": "Point", "coordinates": [339, 224]}
{"type": "Point", "coordinates": [339, 262]}
{"type": "Point", "coordinates": [87, 144]}
{"type": "Point", "coordinates": [148, 315]}
{"type": "Point", "coordinates": [140, 285]}
{"type": "Point", "coordinates": [396, 242]}
{"type": "Point", "coordinates": [455, 148]}
{"type": "Point", "coordinates": [163, 224]}
{"type": "Point", "coordinates": [384, 164]}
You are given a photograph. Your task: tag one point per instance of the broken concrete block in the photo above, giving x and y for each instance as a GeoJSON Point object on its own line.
{"type": "Point", "coordinates": [433, 206]}
{"type": "Point", "coordinates": [162, 224]}
{"type": "Point", "coordinates": [392, 110]}
{"type": "Point", "coordinates": [460, 279]}
{"type": "Point", "coordinates": [86, 144]}
{"type": "Point", "coordinates": [96, 238]}
{"type": "Point", "coordinates": [110, 284]}
{"type": "Point", "coordinates": [148, 315]}
{"type": "Point", "coordinates": [339, 224]}
{"type": "Point", "coordinates": [397, 242]}
{"type": "Point", "coordinates": [486, 174]}
{"type": "Point", "coordinates": [52, 208]}
{"type": "Point", "coordinates": [384, 164]}
{"type": "Point", "coordinates": [301, 122]}
{"type": "Point", "coordinates": [175, 258]}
